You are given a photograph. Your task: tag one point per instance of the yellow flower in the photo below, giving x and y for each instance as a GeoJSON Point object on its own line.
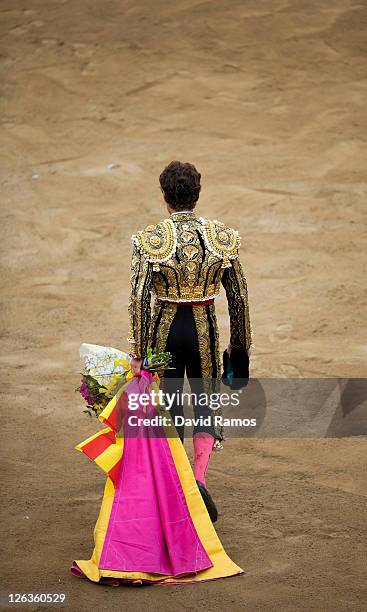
{"type": "Point", "coordinates": [123, 362]}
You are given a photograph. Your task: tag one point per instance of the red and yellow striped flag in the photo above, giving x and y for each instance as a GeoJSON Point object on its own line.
{"type": "Point", "coordinates": [104, 448]}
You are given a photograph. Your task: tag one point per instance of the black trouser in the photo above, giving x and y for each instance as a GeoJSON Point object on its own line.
{"type": "Point", "coordinates": [182, 343]}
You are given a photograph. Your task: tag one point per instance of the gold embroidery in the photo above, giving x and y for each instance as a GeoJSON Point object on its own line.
{"type": "Point", "coordinates": [221, 240]}
{"type": "Point", "coordinates": [154, 241]}
{"type": "Point", "coordinates": [139, 303]}
{"type": "Point", "coordinates": [202, 330]}
{"type": "Point", "coordinates": [190, 251]}
{"type": "Point", "coordinates": [188, 258]}
{"type": "Point", "coordinates": [189, 255]}
{"type": "Point", "coordinates": [189, 293]}
{"type": "Point", "coordinates": [157, 242]}
{"type": "Point", "coordinates": [235, 285]}
{"type": "Point", "coordinates": [217, 357]}
{"type": "Point", "coordinates": [168, 313]}
{"type": "Point", "coordinates": [156, 310]}
{"type": "Point", "coordinates": [209, 355]}
{"type": "Point", "coordinates": [187, 236]}
{"type": "Point", "coordinates": [192, 266]}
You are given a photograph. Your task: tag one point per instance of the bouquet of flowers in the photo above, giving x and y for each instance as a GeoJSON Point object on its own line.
{"type": "Point", "coordinates": [156, 362]}
{"type": "Point", "coordinates": [106, 369]}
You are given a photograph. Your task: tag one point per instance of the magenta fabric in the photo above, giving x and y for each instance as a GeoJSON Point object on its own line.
{"type": "Point", "coordinates": [150, 527]}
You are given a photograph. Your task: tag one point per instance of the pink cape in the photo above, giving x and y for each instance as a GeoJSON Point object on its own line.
{"type": "Point", "coordinates": [150, 530]}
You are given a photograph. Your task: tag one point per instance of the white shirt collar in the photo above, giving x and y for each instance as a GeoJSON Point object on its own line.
{"type": "Point", "coordinates": [180, 212]}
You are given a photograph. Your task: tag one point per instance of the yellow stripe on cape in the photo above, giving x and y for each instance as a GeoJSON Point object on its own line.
{"type": "Point", "coordinates": [222, 567]}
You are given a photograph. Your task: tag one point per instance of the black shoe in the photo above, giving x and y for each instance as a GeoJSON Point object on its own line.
{"type": "Point", "coordinates": [208, 501]}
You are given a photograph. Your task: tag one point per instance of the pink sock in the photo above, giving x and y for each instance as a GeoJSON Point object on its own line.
{"type": "Point", "coordinates": [203, 444]}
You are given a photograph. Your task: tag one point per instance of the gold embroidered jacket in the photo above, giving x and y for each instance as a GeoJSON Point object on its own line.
{"type": "Point", "coordinates": [186, 258]}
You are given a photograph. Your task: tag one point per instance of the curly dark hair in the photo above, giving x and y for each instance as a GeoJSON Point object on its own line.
{"type": "Point", "coordinates": [180, 183]}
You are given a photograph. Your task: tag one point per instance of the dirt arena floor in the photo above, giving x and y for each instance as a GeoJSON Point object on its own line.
{"type": "Point", "coordinates": [266, 98]}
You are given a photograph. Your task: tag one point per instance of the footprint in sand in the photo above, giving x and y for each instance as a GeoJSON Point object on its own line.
{"type": "Point", "coordinates": [327, 533]}
{"type": "Point", "coordinates": [37, 24]}
{"type": "Point", "coordinates": [19, 30]}
{"type": "Point", "coordinates": [276, 567]}
{"type": "Point", "coordinates": [85, 498]}
{"type": "Point", "coordinates": [270, 533]}
{"type": "Point", "coordinates": [282, 333]}
{"type": "Point", "coordinates": [83, 50]}
{"type": "Point", "coordinates": [49, 42]}
{"type": "Point", "coordinates": [289, 370]}
{"type": "Point", "coordinates": [58, 277]}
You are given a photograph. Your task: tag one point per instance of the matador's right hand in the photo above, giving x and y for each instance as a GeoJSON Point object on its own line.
{"type": "Point", "coordinates": [135, 365]}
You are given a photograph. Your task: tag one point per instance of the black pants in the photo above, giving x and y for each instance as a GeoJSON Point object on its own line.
{"type": "Point", "coordinates": [182, 343]}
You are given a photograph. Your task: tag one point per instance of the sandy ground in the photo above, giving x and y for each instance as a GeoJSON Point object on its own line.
{"type": "Point", "coordinates": [266, 98]}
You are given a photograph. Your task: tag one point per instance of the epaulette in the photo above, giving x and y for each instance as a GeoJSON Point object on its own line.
{"type": "Point", "coordinates": [221, 240]}
{"type": "Point", "coordinates": [157, 243]}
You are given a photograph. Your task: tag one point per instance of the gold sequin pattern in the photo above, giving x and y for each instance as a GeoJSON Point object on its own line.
{"type": "Point", "coordinates": [202, 330]}
{"type": "Point", "coordinates": [139, 303]}
{"type": "Point", "coordinates": [235, 285]}
{"type": "Point", "coordinates": [221, 240]}
{"type": "Point", "coordinates": [183, 259]}
{"type": "Point", "coordinates": [209, 354]}
{"type": "Point", "coordinates": [167, 316]}
{"type": "Point", "coordinates": [157, 242]}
